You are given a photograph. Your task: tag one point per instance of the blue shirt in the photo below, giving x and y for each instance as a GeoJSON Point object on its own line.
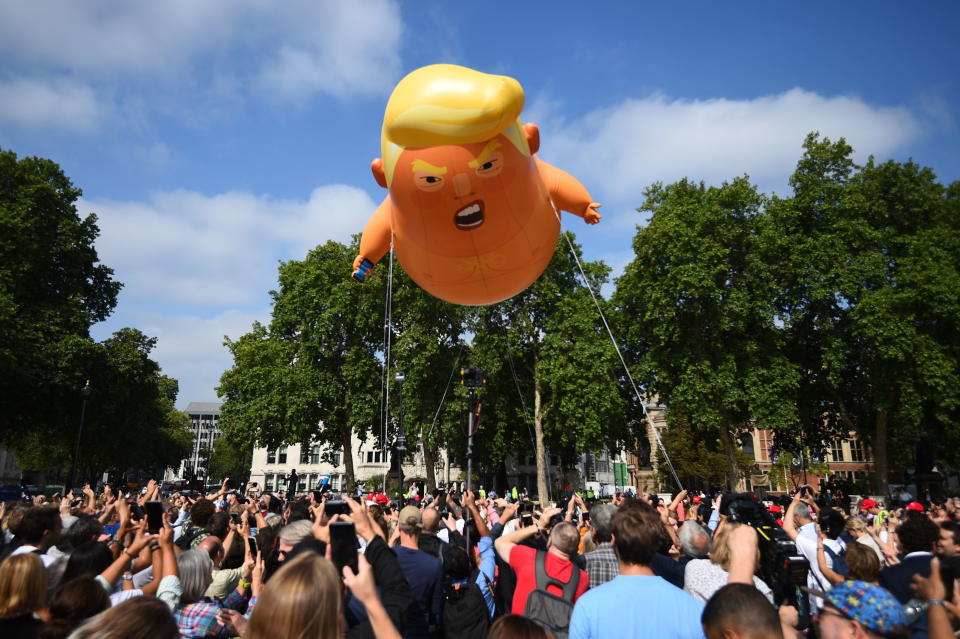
{"type": "Point", "coordinates": [636, 606]}
{"type": "Point", "coordinates": [487, 572]}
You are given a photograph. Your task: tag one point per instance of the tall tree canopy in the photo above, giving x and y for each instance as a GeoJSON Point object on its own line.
{"type": "Point", "coordinates": [52, 289]}
{"type": "Point", "coordinates": [830, 311]}
{"type": "Point", "coordinates": [313, 374]}
{"type": "Point", "coordinates": [554, 370]}
{"type": "Point", "coordinates": [696, 307]}
{"type": "Point", "coordinates": [870, 301]}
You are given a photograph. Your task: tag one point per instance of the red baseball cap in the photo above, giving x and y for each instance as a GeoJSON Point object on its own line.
{"type": "Point", "coordinates": [775, 509]}
{"type": "Point", "coordinates": [696, 499]}
{"type": "Point", "coordinates": [381, 499]}
{"type": "Point", "coordinates": [867, 503]}
{"type": "Point", "coordinates": [915, 505]}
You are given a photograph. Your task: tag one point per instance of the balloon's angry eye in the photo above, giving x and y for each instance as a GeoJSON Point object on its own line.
{"type": "Point", "coordinates": [492, 166]}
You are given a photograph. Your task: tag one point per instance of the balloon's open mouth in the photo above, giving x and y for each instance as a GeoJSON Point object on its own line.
{"type": "Point", "coordinates": [470, 216]}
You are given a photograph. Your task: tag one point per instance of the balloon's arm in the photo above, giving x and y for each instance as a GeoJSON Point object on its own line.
{"type": "Point", "coordinates": [567, 193]}
{"type": "Point", "coordinates": [375, 241]}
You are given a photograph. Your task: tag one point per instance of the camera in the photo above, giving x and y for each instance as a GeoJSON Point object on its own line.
{"type": "Point", "coordinates": [782, 566]}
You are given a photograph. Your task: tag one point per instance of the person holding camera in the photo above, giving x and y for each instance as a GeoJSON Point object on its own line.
{"type": "Point", "coordinates": [796, 524]}
{"type": "Point", "coordinates": [558, 560]}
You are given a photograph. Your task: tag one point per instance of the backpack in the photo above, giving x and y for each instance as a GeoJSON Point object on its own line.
{"type": "Point", "coordinates": [839, 561]}
{"type": "Point", "coordinates": [551, 612]}
{"type": "Point", "coordinates": [185, 540]}
{"type": "Point", "coordinates": [465, 612]}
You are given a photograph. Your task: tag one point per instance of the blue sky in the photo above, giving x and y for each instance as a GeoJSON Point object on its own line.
{"type": "Point", "coordinates": [215, 138]}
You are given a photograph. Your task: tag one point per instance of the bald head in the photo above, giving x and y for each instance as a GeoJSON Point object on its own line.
{"type": "Point", "coordinates": [565, 538]}
{"type": "Point", "coordinates": [213, 546]}
{"type": "Point", "coordinates": [431, 520]}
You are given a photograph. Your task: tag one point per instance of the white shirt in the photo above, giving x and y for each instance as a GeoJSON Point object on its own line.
{"type": "Point", "coordinates": [24, 549]}
{"type": "Point", "coordinates": [815, 578]}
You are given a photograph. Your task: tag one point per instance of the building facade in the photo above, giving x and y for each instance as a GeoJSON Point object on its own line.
{"type": "Point", "coordinates": [271, 467]}
{"type": "Point", "coordinates": [847, 459]}
{"type": "Point", "coordinates": [205, 421]}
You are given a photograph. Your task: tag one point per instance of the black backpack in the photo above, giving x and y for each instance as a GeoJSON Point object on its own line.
{"type": "Point", "coordinates": [551, 612]}
{"type": "Point", "coordinates": [465, 612]}
{"type": "Point", "coordinates": [185, 540]}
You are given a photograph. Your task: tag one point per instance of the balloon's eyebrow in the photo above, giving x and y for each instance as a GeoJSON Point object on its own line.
{"type": "Point", "coordinates": [423, 165]}
{"type": "Point", "coordinates": [484, 154]}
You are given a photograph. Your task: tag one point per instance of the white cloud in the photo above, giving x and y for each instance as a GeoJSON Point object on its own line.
{"type": "Point", "coordinates": [335, 48]}
{"type": "Point", "coordinates": [621, 149]}
{"type": "Point", "coordinates": [59, 104]}
{"type": "Point", "coordinates": [215, 50]}
{"type": "Point", "coordinates": [183, 247]}
{"type": "Point", "coordinates": [189, 347]}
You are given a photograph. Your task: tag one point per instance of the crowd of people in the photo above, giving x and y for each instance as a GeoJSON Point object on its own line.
{"type": "Point", "coordinates": [253, 564]}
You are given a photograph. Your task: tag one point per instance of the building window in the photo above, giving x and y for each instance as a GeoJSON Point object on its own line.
{"type": "Point", "coordinates": [271, 456]}
{"type": "Point", "coordinates": [268, 483]}
{"type": "Point", "coordinates": [335, 483]}
{"type": "Point", "coordinates": [335, 458]}
{"type": "Point", "coordinates": [374, 457]}
{"type": "Point", "coordinates": [836, 450]}
{"type": "Point", "coordinates": [282, 455]}
{"type": "Point", "coordinates": [856, 450]}
{"type": "Point", "coordinates": [314, 454]}
{"type": "Point", "coordinates": [313, 482]}
{"type": "Point", "coordinates": [304, 455]}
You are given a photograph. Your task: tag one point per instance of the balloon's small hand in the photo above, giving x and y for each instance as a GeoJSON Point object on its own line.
{"type": "Point", "coordinates": [590, 216]}
{"type": "Point", "coordinates": [361, 266]}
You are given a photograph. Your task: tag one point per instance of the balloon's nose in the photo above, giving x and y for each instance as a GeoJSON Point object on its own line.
{"type": "Point", "coordinates": [461, 184]}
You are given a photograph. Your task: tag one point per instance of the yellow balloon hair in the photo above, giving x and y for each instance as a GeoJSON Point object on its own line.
{"type": "Point", "coordinates": [445, 104]}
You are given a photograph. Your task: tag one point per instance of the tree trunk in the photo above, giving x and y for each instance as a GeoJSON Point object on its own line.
{"type": "Point", "coordinates": [541, 454]}
{"type": "Point", "coordinates": [730, 449]}
{"type": "Point", "coordinates": [428, 461]}
{"type": "Point", "coordinates": [880, 469]}
{"type": "Point", "coordinates": [346, 441]}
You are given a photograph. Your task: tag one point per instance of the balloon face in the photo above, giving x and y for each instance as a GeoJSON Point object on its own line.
{"type": "Point", "coordinates": [473, 223]}
{"type": "Point", "coordinates": [472, 215]}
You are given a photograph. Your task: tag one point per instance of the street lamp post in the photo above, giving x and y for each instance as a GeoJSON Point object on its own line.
{"type": "Point", "coordinates": [76, 450]}
{"type": "Point", "coordinates": [401, 446]}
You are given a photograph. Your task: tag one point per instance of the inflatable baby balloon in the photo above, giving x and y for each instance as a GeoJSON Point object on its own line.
{"type": "Point", "coordinates": [473, 215]}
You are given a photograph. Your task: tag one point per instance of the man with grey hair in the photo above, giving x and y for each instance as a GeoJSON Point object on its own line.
{"type": "Point", "coordinates": [803, 520]}
{"type": "Point", "coordinates": [694, 540]}
{"type": "Point", "coordinates": [601, 563]}
{"type": "Point", "coordinates": [291, 535]}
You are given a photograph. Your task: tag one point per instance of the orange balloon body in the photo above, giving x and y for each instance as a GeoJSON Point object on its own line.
{"type": "Point", "coordinates": [471, 228]}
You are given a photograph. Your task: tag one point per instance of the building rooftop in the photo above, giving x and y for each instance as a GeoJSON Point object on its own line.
{"type": "Point", "coordinates": [204, 407]}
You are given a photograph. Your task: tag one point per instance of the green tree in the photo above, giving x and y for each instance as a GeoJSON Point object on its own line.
{"type": "Point", "coordinates": [313, 374]}
{"type": "Point", "coordinates": [230, 459]}
{"type": "Point", "coordinates": [547, 345]}
{"type": "Point", "coordinates": [52, 289]}
{"type": "Point", "coordinates": [129, 416]}
{"type": "Point", "coordinates": [426, 345]}
{"type": "Point", "coordinates": [697, 457]}
{"type": "Point", "coordinates": [870, 272]}
{"type": "Point", "coordinates": [696, 309]}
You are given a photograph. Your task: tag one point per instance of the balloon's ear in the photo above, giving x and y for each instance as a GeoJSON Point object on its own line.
{"type": "Point", "coordinates": [378, 173]}
{"type": "Point", "coordinates": [533, 136]}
